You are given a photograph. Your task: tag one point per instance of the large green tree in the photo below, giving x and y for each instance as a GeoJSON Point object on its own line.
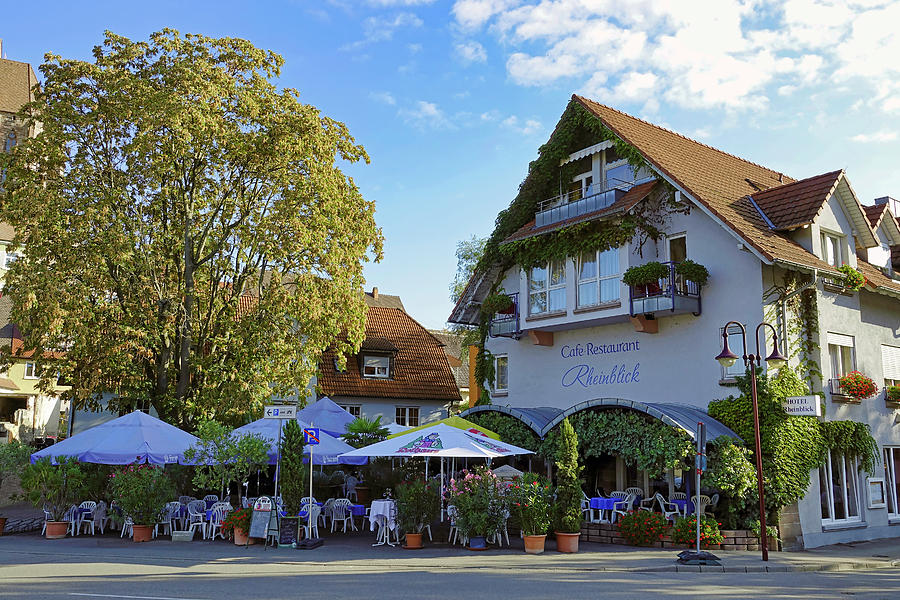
{"type": "Point", "coordinates": [189, 234]}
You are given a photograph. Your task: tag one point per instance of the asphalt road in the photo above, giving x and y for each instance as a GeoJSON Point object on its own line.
{"type": "Point", "coordinates": [85, 569]}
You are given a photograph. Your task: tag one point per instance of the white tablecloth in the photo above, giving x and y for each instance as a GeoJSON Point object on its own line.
{"type": "Point", "coordinates": [382, 507]}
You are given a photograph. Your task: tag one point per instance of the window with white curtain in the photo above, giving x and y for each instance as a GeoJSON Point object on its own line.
{"type": "Point", "coordinates": [547, 288]}
{"type": "Point", "coordinates": [377, 366]}
{"type": "Point", "coordinates": [841, 353]}
{"type": "Point", "coordinates": [832, 245]}
{"type": "Point", "coordinates": [598, 278]}
{"type": "Point", "coordinates": [501, 373]}
{"type": "Point", "coordinates": [839, 489]}
{"type": "Point", "coordinates": [892, 485]}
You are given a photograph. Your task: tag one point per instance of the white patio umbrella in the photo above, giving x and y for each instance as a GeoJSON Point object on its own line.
{"type": "Point", "coordinates": [440, 441]}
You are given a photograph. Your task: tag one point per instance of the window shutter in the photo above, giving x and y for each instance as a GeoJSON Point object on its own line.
{"type": "Point", "coordinates": [839, 339]}
{"type": "Point", "coordinates": [890, 361]}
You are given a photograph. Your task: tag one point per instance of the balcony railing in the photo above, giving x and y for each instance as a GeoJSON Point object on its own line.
{"type": "Point", "coordinates": [672, 293]}
{"type": "Point", "coordinates": [574, 204]}
{"type": "Point", "coordinates": [506, 323]}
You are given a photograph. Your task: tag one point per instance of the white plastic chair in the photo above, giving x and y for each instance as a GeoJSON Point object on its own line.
{"type": "Point", "coordinates": [495, 538]}
{"type": "Point", "coordinates": [340, 511]}
{"type": "Point", "coordinates": [455, 534]}
{"type": "Point", "coordinates": [46, 518]}
{"type": "Point", "coordinates": [210, 498]}
{"type": "Point", "coordinates": [638, 492]}
{"type": "Point", "coordinates": [168, 514]}
{"type": "Point", "coordinates": [350, 488]}
{"type": "Point", "coordinates": [196, 517]}
{"type": "Point", "coordinates": [217, 517]}
{"type": "Point", "coordinates": [127, 527]}
{"type": "Point", "coordinates": [669, 510]}
{"type": "Point", "coordinates": [85, 519]}
{"type": "Point", "coordinates": [306, 500]}
{"type": "Point", "coordinates": [622, 507]}
{"type": "Point", "coordinates": [701, 502]}
{"type": "Point", "coordinates": [312, 520]}
{"type": "Point", "coordinates": [186, 499]}
{"type": "Point", "coordinates": [326, 512]}
{"type": "Point", "coordinates": [71, 517]}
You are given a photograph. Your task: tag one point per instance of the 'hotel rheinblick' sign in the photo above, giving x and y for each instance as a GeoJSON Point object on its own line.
{"type": "Point", "coordinates": [803, 406]}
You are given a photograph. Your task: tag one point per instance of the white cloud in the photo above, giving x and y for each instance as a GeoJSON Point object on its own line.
{"type": "Point", "coordinates": [426, 115]}
{"type": "Point", "coordinates": [728, 54]}
{"type": "Point", "coordinates": [878, 136]}
{"type": "Point", "coordinates": [383, 97]}
{"type": "Point", "coordinates": [382, 29]}
{"type": "Point", "coordinates": [528, 127]}
{"type": "Point", "coordinates": [471, 51]}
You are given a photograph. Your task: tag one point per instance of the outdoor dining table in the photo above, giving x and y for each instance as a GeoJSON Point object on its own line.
{"type": "Point", "coordinates": [600, 503]}
{"type": "Point", "coordinates": [685, 506]}
{"type": "Point", "coordinates": [382, 507]}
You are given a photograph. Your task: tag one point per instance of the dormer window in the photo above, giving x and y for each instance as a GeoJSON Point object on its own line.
{"type": "Point", "coordinates": [832, 245]}
{"type": "Point", "coordinates": [378, 367]}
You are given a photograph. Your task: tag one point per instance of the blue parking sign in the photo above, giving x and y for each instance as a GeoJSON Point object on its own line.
{"type": "Point", "coordinates": [311, 436]}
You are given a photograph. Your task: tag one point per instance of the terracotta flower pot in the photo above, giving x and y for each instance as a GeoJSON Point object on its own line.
{"type": "Point", "coordinates": [567, 542]}
{"type": "Point", "coordinates": [362, 494]}
{"type": "Point", "coordinates": [534, 544]}
{"type": "Point", "coordinates": [2, 524]}
{"type": "Point", "coordinates": [240, 536]}
{"type": "Point", "coordinates": [142, 533]}
{"type": "Point", "coordinates": [56, 530]}
{"type": "Point", "coordinates": [413, 541]}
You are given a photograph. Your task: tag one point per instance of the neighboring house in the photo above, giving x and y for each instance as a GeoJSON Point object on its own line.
{"type": "Point", "coordinates": [26, 412]}
{"type": "Point", "coordinates": [577, 338]}
{"type": "Point", "coordinates": [401, 372]}
{"type": "Point", "coordinates": [453, 349]}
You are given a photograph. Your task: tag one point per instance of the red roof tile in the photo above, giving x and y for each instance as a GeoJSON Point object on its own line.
{"type": "Point", "coordinates": [798, 203]}
{"type": "Point", "coordinates": [419, 367]}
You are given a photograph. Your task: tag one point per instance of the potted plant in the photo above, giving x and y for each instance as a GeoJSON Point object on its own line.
{"type": "Point", "coordinates": [531, 496]}
{"type": "Point", "coordinates": [892, 393]}
{"type": "Point", "coordinates": [238, 524]}
{"type": "Point", "coordinates": [568, 490]}
{"type": "Point", "coordinates": [141, 491]}
{"type": "Point", "coordinates": [645, 278]}
{"type": "Point", "coordinates": [856, 385]}
{"type": "Point", "coordinates": [480, 504]}
{"type": "Point", "coordinates": [417, 506]}
{"type": "Point", "coordinates": [55, 488]}
{"type": "Point", "coordinates": [853, 279]}
{"type": "Point", "coordinates": [13, 457]}
{"type": "Point", "coordinates": [692, 271]}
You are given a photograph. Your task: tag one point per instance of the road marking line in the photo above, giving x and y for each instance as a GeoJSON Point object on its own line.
{"type": "Point", "coordinates": [130, 597]}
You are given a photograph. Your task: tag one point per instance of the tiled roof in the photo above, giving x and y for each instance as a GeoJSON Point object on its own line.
{"type": "Point", "coordinates": [378, 344]}
{"type": "Point", "coordinates": [453, 349]}
{"type": "Point", "coordinates": [16, 80]}
{"type": "Point", "coordinates": [419, 370]}
{"type": "Point", "coordinates": [875, 213]}
{"type": "Point", "coordinates": [375, 298]}
{"type": "Point", "coordinates": [719, 181]}
{"type": "Point", "coordinates": [798, 203]}
{"type": "Point", "coordinates": [876, 279]}
{"type": "Point", "coordinates": [623, 204]}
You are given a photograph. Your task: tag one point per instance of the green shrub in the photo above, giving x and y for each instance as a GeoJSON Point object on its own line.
{"type": "Point", "coordinates": [650, 272]}
{"type": "Point", "coordinates": [293, 480]}
{"type": "Point", "coordinates": [693, 271]}
{"type": "Point", "coordinates": [568, 471]}
{"type": "Point", "coordinates": [531, 496]}
{"type": "Point", "coordinates": [418, 504]}
{"type": "Point", "coordinates": [642, 528]}
{"type": "Point", "coordinates": [141, 491]}
{"type": "Point", "coordinates": [685, 531]}
{"type": "Point", "coordinates": [54, 488]}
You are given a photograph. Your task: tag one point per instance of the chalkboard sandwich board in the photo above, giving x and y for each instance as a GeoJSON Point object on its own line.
{"type": "Point", "coordinates": [287, 534]}
{"type": "Point", "coordinates": [259, 519]}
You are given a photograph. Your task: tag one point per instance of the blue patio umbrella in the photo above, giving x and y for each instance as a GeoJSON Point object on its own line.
{"type": "Point", "coordinates": [328, 416]}
{"type": "Point", "coordinates": [133, 438]}
{"type": "Point", "coordinates": [326, 452]}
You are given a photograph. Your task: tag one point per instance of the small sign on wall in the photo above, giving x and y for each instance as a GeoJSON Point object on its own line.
{"type": "Point", "coordinates": [876, 492]}
{"type": "Point", "coordinates": [803, 406]}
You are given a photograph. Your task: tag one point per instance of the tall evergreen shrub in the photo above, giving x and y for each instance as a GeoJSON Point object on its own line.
{"type": "Point", "coordinates": [568, 491]}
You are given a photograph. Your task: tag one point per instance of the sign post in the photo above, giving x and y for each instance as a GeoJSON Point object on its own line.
{"type": "Point", "coordinates": [698, 557]}
{"type": "Point", "coordinates": [280, 412]}
{"type": "Point", "coordinates": [311, 437]}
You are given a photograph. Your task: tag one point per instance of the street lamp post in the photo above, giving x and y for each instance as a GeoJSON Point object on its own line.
{"type": "Point", "coordinates": [727, 358]}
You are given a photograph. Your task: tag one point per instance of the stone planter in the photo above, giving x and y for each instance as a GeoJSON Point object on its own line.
{"type": "Point", "coordinates": [413, 541]}
{"type": "Point", "coordinates": [56, 530]}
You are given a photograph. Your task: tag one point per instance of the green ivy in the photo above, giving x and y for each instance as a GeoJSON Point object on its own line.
{"type": "Point", "coordinates": [640, 440]}
{"type": "Point", "coordinates": [792, 447]}
{"type": "Point", "coordinates": [804, 324]}
{"type": "Point", "coordinates": [510, 429]}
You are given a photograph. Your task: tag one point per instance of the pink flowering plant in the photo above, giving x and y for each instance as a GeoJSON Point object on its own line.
{"type": "Point", "coordinates": [531, 496]}
{"type": "Point", "coordinates": [480, 501]}
{"type": "Point", "coordinates": [856, 385]}
{"type": "Point", "coordinates": [141, 491]}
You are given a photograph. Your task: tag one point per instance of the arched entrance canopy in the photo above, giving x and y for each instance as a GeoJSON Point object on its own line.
{"type": "Point", "coordinates": [543, 419]}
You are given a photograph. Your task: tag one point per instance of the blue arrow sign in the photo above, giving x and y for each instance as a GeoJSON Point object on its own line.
{"type": "Point", "coordinates": [311, 436]}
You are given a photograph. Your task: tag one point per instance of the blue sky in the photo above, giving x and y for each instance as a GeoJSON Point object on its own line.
{"type": "Point", "coordinates": [452, 98]}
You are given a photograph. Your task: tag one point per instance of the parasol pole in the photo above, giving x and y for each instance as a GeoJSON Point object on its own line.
{"type": "Point", "coordinates": [442, 489]}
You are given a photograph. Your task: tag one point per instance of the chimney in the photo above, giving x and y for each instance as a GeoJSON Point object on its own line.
{"type": "Point", "coordinates": [375, 292]}
{"type": "Point", "coordinates": [1, 47]}
{"type": "Point", "coordinates": [781, 178]}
